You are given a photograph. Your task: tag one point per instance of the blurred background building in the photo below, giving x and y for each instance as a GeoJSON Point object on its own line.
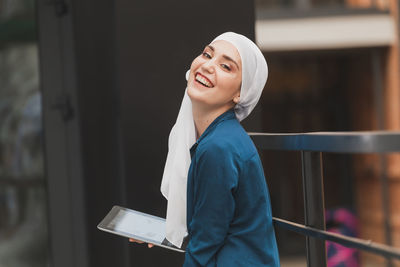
{"type": "Point", "coordinates": [90, 89]}
{"type": "Point", "coordinates": [334, 66]}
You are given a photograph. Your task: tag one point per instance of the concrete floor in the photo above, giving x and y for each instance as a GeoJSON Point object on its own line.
{"type": "Point", "coordinates": [301, 262]}
{"type": "Point", "coordinates": [294, 262]}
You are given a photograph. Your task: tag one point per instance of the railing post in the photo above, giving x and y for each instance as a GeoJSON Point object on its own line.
{"type": "Point", "coordinates": [314, 205]}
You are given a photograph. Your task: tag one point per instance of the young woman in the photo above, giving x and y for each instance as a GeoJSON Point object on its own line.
{"type": "Point", "coordinates": [218, 200]}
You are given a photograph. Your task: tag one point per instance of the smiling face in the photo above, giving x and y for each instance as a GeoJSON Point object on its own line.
{"type": "Point", "coordinates": [215, 77]}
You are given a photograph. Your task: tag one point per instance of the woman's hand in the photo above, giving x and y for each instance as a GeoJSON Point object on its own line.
{"type": "Point", "coordinates": [140, 242]}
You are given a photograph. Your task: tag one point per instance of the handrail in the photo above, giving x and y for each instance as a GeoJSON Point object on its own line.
{"type": "Point", "coordinates": [347, 241]}
{"type": "Point", "coordinates": [311, 145]}
{"type": "Point", "coordinates": [337, 142]}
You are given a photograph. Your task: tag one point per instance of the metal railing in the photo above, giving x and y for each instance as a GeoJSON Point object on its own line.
{"type": "Point", "coordinates": [311, 146]}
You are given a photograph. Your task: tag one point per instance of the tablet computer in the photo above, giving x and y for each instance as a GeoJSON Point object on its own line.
{"type": "Point", "coordinates": [137, 225]}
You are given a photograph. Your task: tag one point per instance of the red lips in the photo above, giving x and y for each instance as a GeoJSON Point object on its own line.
{"type": "Point", "coordinates": [204, 77]}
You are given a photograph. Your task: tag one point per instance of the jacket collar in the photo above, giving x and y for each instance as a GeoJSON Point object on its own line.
{"type": "Point", "coordinates": [227, 115]}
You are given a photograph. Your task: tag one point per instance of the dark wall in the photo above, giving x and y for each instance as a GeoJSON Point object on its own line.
{"type": "Point", "coordinates": [131, 60]}
{"type": "Point", "coordinates": [94, 29]}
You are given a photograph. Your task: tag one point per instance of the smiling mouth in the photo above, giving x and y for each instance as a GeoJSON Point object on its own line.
{"type": "Point", "coordinates": [203, 80]}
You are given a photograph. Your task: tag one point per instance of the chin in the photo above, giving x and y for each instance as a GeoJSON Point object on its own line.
{"type": "Point", "coordinates": [195, 95]}
{"type": "Point", "coordinates": [198, 97]}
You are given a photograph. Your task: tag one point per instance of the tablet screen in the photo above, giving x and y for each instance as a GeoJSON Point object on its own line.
{"type": "Point", "coordinates": [139, 224]}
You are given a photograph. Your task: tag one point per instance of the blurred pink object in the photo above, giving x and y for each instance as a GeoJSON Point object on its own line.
{"type": "Point", "coordinates": [341, 221]}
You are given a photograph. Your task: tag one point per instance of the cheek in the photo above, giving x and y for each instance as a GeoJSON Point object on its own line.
{"type": "Point", "coordinates": [193, 67]}
{"type": "Point", "coordinates": [196, 63]}
{"type": "Point", "coordinates": [238, 83]}
{"type": "Point", "coordinates": [232, 83]}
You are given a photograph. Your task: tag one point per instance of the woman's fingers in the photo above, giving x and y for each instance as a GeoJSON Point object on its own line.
{"type": "Point", "coordinates": [140, 242]}
{"type": "Point", "coordinates": [134, 240]}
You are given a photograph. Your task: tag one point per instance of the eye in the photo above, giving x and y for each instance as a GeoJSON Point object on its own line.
{"type": "Point", "coordinates": [207, 55]}
{"type": "Point", "coordinates": [225, 66]}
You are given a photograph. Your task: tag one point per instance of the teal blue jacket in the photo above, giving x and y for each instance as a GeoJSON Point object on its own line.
{"type": "Point", "coordinates": [228, 205]}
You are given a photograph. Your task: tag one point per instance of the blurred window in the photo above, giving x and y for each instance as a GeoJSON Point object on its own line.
{"type": "Point", "coordinates": [23, 197]}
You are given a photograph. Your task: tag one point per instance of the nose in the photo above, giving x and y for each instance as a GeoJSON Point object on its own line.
{"type": "Point", "coordinates": [208, 66]}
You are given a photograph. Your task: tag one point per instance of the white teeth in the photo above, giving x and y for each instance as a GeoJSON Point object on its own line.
{"type": "Point", "coordinates": [203, 80]}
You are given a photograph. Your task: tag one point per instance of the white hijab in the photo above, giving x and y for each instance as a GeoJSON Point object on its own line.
{"type": "Point", "coordinates": [183, 135]}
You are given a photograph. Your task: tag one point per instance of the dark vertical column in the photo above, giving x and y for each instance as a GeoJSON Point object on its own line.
{"type": "Point", "coordinates": [94, 41]}
{"type": "Point", "coordinates": [314, 207]}
{"type": "Point", "coordinates": [156, 41]}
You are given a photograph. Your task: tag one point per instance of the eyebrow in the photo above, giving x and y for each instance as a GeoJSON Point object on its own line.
{"type": "Point", "coordinates": [224, 56]}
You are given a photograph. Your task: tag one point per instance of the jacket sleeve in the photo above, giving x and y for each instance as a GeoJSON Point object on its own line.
{"type": "Point", "coordinates": [215, 179]}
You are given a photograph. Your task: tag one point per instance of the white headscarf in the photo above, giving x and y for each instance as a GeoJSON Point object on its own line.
{"type": "Point", "coordinates": [183, 135]}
